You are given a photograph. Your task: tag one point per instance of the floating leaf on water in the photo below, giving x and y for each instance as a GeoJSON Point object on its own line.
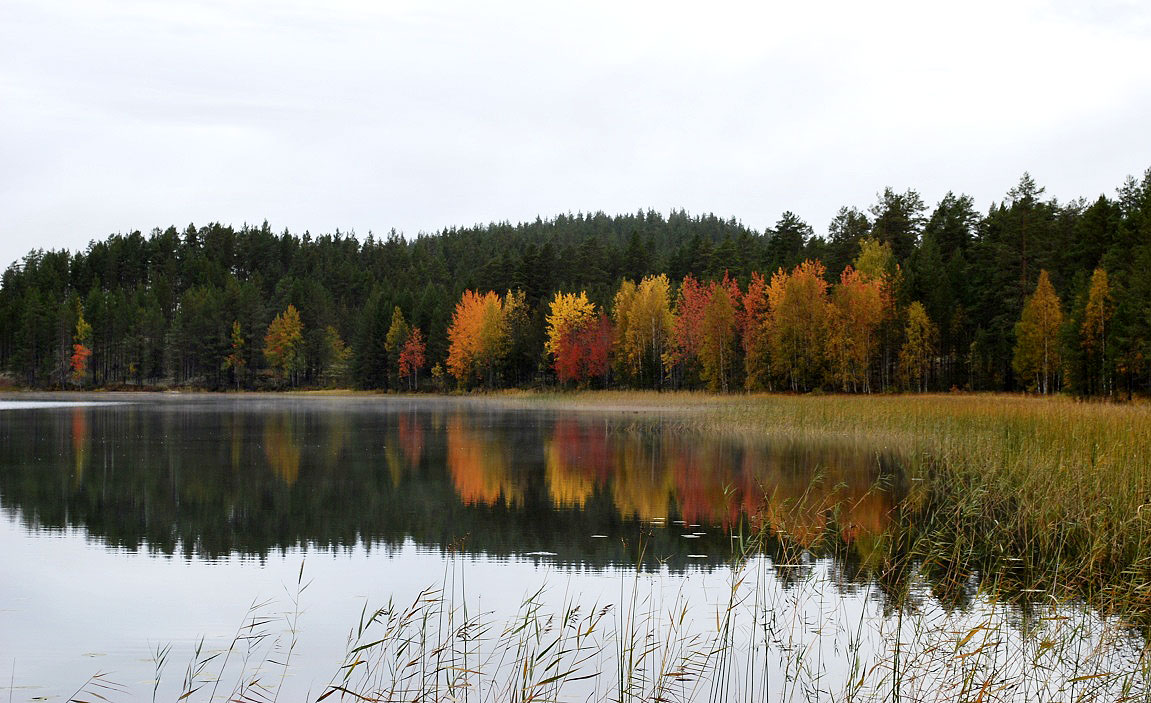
{"type": "Point", "coordinates": [539, 554]}
{"type": "Point", "coordinates": [598, 536]}
{"type": "Point", "coordinates": [697, 556]}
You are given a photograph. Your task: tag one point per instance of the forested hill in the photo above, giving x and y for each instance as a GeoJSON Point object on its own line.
{"type": "Point", "coordinates": [216, 306]}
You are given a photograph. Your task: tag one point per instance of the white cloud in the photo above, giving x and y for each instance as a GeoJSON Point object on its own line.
{"type": "Point", "coordinates": [367, 115]}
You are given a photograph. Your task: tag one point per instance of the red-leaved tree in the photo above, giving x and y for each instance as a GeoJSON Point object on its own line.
{"type": "Point", "coordinates": [585, 353]}
{"type": "Point", "coordinates": [412, 357]}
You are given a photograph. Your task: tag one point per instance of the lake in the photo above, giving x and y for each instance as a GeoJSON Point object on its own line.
{"type": "Point", "coordinates": [220, 540]}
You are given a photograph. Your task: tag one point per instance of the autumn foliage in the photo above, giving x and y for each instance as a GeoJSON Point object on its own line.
{"type": "Point", "coordinates": [1037, 348]}
{"type": "Point", "coordinates": [284, 344]}
{"type": "Point", "coordinates": [584, 353]}
{"type": "Point", "coordinates": [797, 325]}
{"type": "Point", "coordinates": [81, 350]}
{"type": "Point", "coordinates": [579, 339]}
{"type": "Point", "coordinates": [478, 337]}
{"type": "Point", "coordinates": [412, 356]}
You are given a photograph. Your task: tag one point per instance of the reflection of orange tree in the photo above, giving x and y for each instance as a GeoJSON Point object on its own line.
{"type": "Point", "coordinates": [281, 449]}
{"type": "Point", "coordinates": [797, 490]}
{"type": "Point", "coordinates": [479, 466]}
{"type": "Point", "coordinates": [577, 460]}
{"type": "Point", "coordinates": [81, 441]}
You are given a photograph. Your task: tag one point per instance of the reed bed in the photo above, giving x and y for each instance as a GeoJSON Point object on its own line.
{"type": "Point", "coordinates": [775, 630]}
{"type": "Point", "coordinates": [1049, 495]}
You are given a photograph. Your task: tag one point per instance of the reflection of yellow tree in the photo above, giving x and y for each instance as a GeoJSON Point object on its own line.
{"type": "Point", "coordinates": [479, 466]}
{"type": "Point", "coordinates": [336, 437]}
{"type": "Point", "coordinates": [81, 441]}
{"type": "Point", "coordinates": [281, 449]}
{"type": "Point", "coordinates": [642, 486]}
{"type": "Point", "coordinates": [577, 460]}
{"type": "Point", "coordinates": [404, 447]}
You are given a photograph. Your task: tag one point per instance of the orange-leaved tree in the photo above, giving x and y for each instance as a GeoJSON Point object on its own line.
{"type": "Point", "coordinates": [477, 337]}
{"type": "Point", "coordinates": [753, 326]}
{"type": "Point", "coordinates": [687, 328]}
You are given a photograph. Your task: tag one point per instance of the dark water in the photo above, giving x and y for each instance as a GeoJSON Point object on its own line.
{"type": "Point", "coordinates": [154, 520]}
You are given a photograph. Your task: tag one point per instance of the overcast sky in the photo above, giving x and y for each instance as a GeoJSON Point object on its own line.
{"type": "Point", "coordinates": [370, 115]}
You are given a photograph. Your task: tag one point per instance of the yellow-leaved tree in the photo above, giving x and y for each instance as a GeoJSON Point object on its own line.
{"type": "Point", "coordinates": [719, 345]}
{"type": "Point", "coordinates": [1096, 319]}
{"type": "Point", "coordinates": [919, 345]}
{"type": "Point", "coordinates": [797, 324]}
{"type": "Point", "coordinates": [284, 345]}
{"type": "Point", "coordinates": [643, 328]}
{"type": "Point", "coordinates": [1037, 353]}
{"type": "Point", "coordinates": [857, 309]}
{"type": "Point", "coordinates": [568, 313]}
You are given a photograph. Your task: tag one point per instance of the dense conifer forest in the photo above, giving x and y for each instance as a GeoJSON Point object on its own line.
{"type": "Point", "coordinates": [1031, 294]}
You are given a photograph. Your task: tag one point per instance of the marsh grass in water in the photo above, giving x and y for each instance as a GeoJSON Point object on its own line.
{"type": "Point", "coordinates": [1030, 495]}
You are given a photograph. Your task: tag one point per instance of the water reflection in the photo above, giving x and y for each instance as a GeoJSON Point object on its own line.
{"type": "Point", "coordinates": [213, 479]}
{"type": "Point", "coordinates": [423, 481]}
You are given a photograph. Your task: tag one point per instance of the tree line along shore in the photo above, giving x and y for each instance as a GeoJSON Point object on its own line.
{"type": "Point", "coordinates": [1032, 295]}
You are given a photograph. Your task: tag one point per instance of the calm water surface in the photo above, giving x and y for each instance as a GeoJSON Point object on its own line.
{"type": "Point", "coordinates": [144, 521]}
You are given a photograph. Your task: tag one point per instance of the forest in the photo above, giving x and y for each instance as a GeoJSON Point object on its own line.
{"type": "Point", "coordinates": [1032, 295]}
